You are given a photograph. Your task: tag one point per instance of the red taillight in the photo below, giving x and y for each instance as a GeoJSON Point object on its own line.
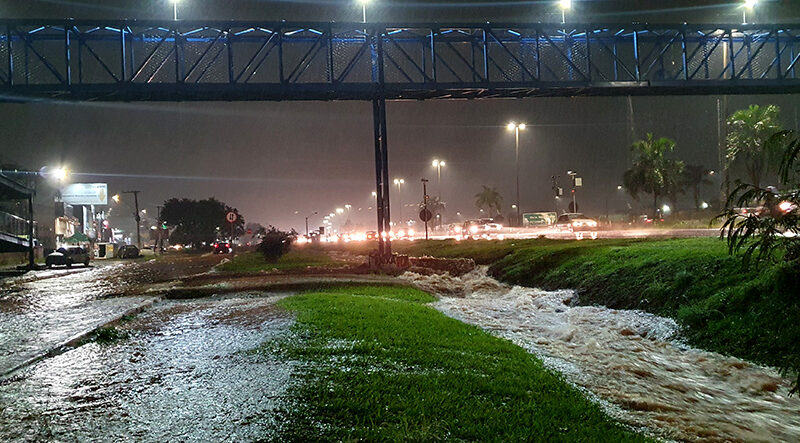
{"type": "Point", "coordinates": [216, 244]}
{"type": "Point", "coordinates": [227, 245]}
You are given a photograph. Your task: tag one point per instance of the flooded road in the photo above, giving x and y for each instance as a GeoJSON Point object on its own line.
{"type": "Point", "coordinates": [631, 361]}
{"type": "Point", "coordinates": [181, 371]}
{"type": "Point", "coordinates": [41, 310]}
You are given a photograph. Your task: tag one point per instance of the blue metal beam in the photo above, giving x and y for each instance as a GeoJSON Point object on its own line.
{"type": "Point", "coordinates": [176, 60]}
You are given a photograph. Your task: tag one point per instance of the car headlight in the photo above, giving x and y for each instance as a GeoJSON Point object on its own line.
{"type": "Point", "coordinates": [473, 229]}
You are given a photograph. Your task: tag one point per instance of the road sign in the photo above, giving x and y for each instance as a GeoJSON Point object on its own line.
{"type": "Point", "coordinates": [231, 217]}
{"type": "Point", "coordinates": [539, 218]}
{"type": "Point", "coordinates": [425, 215]}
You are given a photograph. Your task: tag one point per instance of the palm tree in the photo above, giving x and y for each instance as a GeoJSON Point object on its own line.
{"type": "Point", "coordinates": [748, 132]}
{"type": "Point", "coordinates": [653, 173]}
{"type": "Point", "coordinates": [695, 176]}
{"type": "Point", "coordinates": [489, 200]}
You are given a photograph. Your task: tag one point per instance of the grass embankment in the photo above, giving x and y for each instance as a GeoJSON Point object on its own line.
{"type": "Point", "coordinates": [385, 367]}
{"type": "Point", "coordinates": [298, 258]}
{"type": "Point", "coordinates": [724, 307]}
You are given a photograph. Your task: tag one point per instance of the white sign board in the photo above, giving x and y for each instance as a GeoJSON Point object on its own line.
{"type": "Point", "coordinates": [85, 194]}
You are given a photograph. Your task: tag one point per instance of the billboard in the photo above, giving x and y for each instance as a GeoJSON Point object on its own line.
{"type": "Point", "coordinates": [85, 194]}
{"type": "Point", "coordinates": [539, 218]}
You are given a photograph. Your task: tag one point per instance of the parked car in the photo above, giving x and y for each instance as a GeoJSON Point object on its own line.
{"type": "Point", "coordinates": [222, 248]}
{"type": "Point", "coordinates": [127, 251]}
{"type": "Point", "coordinates": [68, 257]}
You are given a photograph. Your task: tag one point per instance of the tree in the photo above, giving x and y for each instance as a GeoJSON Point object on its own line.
{"type": "Point", "coordinates": [652, 172]}
{"type": "Point", "coordinates": [748, 132]}
{"type": "Point", "coordinates": [276, 243]}
{"type": "Point", "coordinates": [199, 221]}
{"type": "Point", "coordinates": [257, 229]}
{"type": "Point", "coordinates": [773, 233]}
{"type": "Point", "coordinates": [489, 200]}
{"type": "Point", "coordinates": [695, 176]}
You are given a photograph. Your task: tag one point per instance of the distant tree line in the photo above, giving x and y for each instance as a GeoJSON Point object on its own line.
{"type": "Point", "coordinates": [196, 222]}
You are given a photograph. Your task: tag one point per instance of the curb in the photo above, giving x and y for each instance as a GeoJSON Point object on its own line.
{"type": "Point", "coordinates": [73, 341]}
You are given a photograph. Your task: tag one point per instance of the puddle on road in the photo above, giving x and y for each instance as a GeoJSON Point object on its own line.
{"type": "Point", "coordinates": [630, 360]}
{"type": "Point", "coordinates": [182, 374]}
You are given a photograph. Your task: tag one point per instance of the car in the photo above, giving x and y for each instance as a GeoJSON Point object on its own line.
{"type": "Point", "coordinates": [372, 235]}
{"type": "Point", "coordinates": [577, 223]}
{"type": "Point", "coordinates": [485, 228]}
{"type": "Point", "coordinates": [68, 257]}
{"type": "Point", "coordinates": [222, 248]}
{"type": "Point", "coordinates": [127, 251]}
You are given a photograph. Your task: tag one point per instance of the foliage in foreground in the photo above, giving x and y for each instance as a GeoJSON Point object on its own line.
{"type": "Point", "coordinates": [384, 367]}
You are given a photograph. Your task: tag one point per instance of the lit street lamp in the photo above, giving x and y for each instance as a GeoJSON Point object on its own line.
{"type": "Point", "coordinates": [439, 164]}
{"type": "Point", "coordinates": [400, 182]}
{"type": "Point", "coordinates": [564, 5]}
{"type": "Point", "coordinates": [749, 5]}
{"type": "Point", "coordinates": [174, 9]}
{"type": "Point", "coordinates": [363, 10]}
{"type": "Point", "coordinates": [516, 128]}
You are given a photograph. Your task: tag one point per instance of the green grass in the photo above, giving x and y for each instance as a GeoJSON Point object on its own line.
{"type": "Point", "coordinates": [379, 365]}
{"type": "Point", "coordinates": [298, 258]}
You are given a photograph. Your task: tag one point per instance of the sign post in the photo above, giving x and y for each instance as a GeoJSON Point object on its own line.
{"type": "Point", "coordinates": [425, 215]}
{"type": "Point", "coordinates": [231, 217]}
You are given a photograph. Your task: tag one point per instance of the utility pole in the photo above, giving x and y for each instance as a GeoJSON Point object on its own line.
{"type": "Point", "coordinates": [425, 203]}
{"type": "Point", "coordinates": [136, 217]}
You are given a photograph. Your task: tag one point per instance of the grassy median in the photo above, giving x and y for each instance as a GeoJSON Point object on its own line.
{"type": "Point", "coordinates": [380, 365]}
{"type": "Point", "coordinates": [296, 259]}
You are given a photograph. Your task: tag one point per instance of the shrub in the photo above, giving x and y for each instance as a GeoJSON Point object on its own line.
{"type": "Point", "coordinates": [275, 244]}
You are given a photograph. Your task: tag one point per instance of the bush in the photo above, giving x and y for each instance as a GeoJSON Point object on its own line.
{"type": "Point", "coordinates": [275, 244]}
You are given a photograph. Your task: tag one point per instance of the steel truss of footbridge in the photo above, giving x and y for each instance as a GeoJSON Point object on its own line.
{"type": "Point", "coordinates": [131, 60]}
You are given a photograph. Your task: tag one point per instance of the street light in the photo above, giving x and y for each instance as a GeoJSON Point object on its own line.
{"type": "Point", "coordinates": [439, 164]}
{"type": "Point", "coordinates": [565, 6]}
{"type": "Point", "coordinates": [400, 182]}
{"type": "Point", "coordinates": [363, 10]}
{"type": "Point", "coordinates": [174, 9]}
{"type": "Point", "coordinates": [516, 128]}
{"type": "Point", "coordinates": [749, 5]}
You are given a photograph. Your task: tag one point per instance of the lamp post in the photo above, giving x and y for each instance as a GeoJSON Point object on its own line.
{"type": "Point", "coordinates": [749, 5]}
{"type": "Point", "coordinates": [564, 5]}
{"type": "Point", "coordinates": [363, 10]}
{"type": "Point", "coordinates": [516, 128]}
{"type": "Point", "coordinates": [175, 9]}
{"type": "Point", "coordinates": [400, 182]}
{"type": "Point", "coordinates": [309, 215]}
{"type": "Point", "coordinates": [439, 164]}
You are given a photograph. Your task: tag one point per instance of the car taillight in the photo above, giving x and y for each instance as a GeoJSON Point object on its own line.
{"type": "Point", "coordinates": [216, 244]}
{"type": "Point", "coordinates": [227, 245]}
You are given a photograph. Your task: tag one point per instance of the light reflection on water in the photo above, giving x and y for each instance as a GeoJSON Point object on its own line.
{"type": "Point", "coordinates": [631, 360]}
{"type": "Point", "coordinates": [182, 374]}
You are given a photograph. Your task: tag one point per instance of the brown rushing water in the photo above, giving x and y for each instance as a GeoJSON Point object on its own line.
{"type": "Point", "coordinates": [630, 360]}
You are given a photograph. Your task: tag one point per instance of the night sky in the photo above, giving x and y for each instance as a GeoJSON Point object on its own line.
{"type": "Point", "coordinates": [273, 159]}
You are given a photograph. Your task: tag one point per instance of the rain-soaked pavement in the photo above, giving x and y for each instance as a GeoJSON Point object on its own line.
{"type": "Point", "coordinates": [41, 310]}
{"type": "Point", "coordinates": [182, 371]}
{"type": "Point", "coordinates": [630, 361]}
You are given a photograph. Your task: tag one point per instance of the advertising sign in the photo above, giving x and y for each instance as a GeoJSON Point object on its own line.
{"type": "Point", "coordinates": [541, 219]}
{"type": "Point", "coordinates": [85, 194]}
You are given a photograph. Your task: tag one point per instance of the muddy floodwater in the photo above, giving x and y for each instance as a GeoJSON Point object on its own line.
{"type": "Point", "coordinates": [181, 371]}
{"type": "Point", "coordinates": [632, 362]}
